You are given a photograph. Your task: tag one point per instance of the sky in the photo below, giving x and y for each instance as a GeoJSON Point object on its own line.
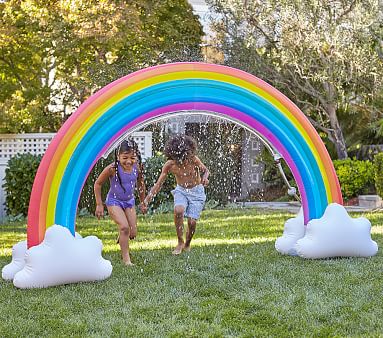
{"type": "Point", "coordinates": [200, 8]}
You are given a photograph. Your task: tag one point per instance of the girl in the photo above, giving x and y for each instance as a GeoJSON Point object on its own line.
{"type": "Point", "coordinates": [123, 175]}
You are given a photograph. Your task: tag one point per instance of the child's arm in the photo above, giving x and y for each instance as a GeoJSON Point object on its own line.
{"type": "Point", "coordinates": [105, 174]}
{"type": "Point", "coordinates": [204, 170]}
{"type": "Point", "coordinates": [141, 189]}
{"type": "Point", "coordinates": [157, 186]}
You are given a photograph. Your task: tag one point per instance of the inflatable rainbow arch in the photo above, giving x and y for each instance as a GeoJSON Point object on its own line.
{"type": "Point", "coordinates": [165, 89]}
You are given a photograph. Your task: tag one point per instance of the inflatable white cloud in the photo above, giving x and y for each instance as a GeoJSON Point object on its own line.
{"type": "Point", "coordinates": [294, 229]}
{"type": "Point", "coordinates": [18, 261]}
{"type": "Point", "coordinates": [336, 234]}
{"type": "Point", "coordinates": [63, 259]}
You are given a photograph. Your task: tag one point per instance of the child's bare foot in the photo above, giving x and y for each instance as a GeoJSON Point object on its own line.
{"type": "Point", "coordinates": [187, 248]}
{"type": "Point", "coordinates": [127, 260]}
{"type": "Point", "coordinates": [178, 249]}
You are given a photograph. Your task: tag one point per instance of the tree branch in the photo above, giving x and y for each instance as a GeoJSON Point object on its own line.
{"type": "Point", "coordinates": [329, 132]}
{"type": "Point", "coordinates": [13, 68]}
{"type": "Point", "coordinates": [348, 10]}
{"type": "Point", "coordinates": [308, 88]}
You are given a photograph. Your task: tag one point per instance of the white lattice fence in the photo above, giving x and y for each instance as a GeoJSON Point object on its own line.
{"type": "Point", "coordinates": [13, 144]}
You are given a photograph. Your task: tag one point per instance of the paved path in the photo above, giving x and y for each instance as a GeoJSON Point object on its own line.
{"type": "Point", "coordinates": [294, 206]}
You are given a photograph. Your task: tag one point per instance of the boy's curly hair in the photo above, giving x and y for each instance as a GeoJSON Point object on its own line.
{"type": "Point", "coordinates": [180, 148]}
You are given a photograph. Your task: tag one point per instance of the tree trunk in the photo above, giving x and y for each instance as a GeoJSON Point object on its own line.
{"type": "Point", "coordinates": [339, 142]}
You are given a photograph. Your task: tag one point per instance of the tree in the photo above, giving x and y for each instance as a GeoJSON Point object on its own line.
{"type": "Point", "coordinates": [323, 54]}
{"type": "Point", "coordinates": [24, 93]}
{"type": "Point", "coordinates": [55, 54]}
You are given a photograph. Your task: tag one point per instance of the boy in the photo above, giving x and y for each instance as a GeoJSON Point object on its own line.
{"type": "Point", "coordinates": [189, 194]}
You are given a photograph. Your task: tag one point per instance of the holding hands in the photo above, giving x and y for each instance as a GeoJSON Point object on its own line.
{"type": "Point", "coordinates": [143, 207]}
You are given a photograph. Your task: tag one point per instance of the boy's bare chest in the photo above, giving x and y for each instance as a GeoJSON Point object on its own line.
{"type": "Point", "coordinates": [184, 171]}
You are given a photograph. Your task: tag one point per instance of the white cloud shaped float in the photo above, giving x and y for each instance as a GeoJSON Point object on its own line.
{"type": "Point", "coordinates": [335, 234]}
{"type": "Point", "coordinates": [18, 261]}
{"type": "Point", "coordinates": [294, 229]}
{"type": "Point", "coordinates": [59, 259]}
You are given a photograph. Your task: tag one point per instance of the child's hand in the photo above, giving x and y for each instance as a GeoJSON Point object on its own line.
{"type": "Point", "coordinates": [205, 182]}
{"type": "Point", "coordinates": [143, 207]}
{"type": "Point", "coordinates": [99, 211]}
{"type": "Point", "coordinates": [146, 200]}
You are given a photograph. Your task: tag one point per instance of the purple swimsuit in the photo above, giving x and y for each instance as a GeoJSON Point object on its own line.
{"type": "Point", "coordinates": [116, 195]}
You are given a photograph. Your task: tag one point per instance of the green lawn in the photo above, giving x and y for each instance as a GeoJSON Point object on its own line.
{"type": "Point", "coordinates": [232, 283]}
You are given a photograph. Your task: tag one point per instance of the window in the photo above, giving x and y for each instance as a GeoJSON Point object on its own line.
{"type": "Point", "coordinates": [255, 145]}
{"type": "Point", "coordinates": [254, 163]}
{"type": "Point", "coordinates": [174, 127]}
{"type": "Point", "coordinates": [255, 178]}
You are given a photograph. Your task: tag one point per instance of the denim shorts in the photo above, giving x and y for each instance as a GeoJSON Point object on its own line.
{"type": "Point", "coordinates": [193, 200]}
{"type": "Point", "coordinates": [110, 201]}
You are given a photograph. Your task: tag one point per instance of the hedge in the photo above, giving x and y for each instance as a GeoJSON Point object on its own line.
{"type": "Point", "coordinates": [19, 176]}
{"type": "Point", "coordinates": [355, 177]}
{"type": "Point", "coordinates": [378, 167]}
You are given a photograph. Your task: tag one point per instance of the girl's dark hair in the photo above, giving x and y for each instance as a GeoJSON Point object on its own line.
{"type": "Point", "coordinates": [180, 148]}
{"type": "Point", "coordinates": [124, 147]}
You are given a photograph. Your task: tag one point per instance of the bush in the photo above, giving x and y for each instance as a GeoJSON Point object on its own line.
{"type": "Point", "coordinates": [275, 188]}
{"type": "Point", "coordinates": [87, 200]}
{"type": "Point", "coordinates": [355, 177]}
{"type": "Point", "coordinates": [152, 170]}
{"type": "Point", "coordinates": [19, 176]}
{"type": "Point", "coordinates": [378, 168]}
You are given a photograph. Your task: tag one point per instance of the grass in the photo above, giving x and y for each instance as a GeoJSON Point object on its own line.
{"type": "Point", "coordinates": [233, 283]}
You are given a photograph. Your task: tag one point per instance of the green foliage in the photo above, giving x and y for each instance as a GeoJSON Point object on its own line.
{"type": "Point", "coordinates": [378, 168]}
{"type": "Point", "coordinates": [275, 186]}
{"type": "Point", "coordinates": [355, 177]}
{"type": "Point", "coordinates": [304, 49]}
{"type": "Point", "coordinates": [153, 167]}
{"type": "Point", "coordinates": [87, 202]}
{"type": "Point", "coordinates": [271, 175]}
{"type": "Point", "coordinates": [19, 177]}
{"type": "Point", "coordinates": [55, 54]}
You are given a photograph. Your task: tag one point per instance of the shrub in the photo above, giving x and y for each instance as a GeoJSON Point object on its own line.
{"type": "Point", "coordinates": [355, 177]}
{"type": "Point", "coordinates": [378, 168]}
{"type": "Point", "coordinates": [275, 188]}
{"type": "Point", "coordinates": [19, 176]}
{"type": "Point", "coordinates": [87, 200]}
{"type": "Point", "coordinates": [152, 170]}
